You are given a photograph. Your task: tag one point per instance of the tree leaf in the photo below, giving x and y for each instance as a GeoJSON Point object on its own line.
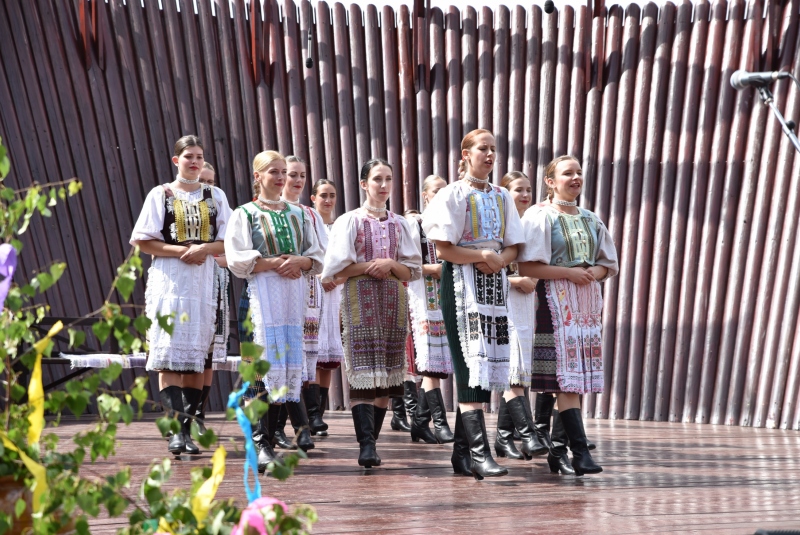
{"type": "Point", "coordinates": [109, 374]}
{"type": "Point", "coordinates": [255, 410]}
{"type": "Point", "coordinates": [101, 330]}
{"type": "Point", "coordinates": [166, 323]}
{"type": "Point", "coordinates": [19, 507]}
{"type": "Point", "coordinates": [142, 324]}
{"type": "Point", "coordinates": [76, 338]}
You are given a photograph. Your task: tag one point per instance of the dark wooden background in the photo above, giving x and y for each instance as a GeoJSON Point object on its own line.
{"type": "Point", "coordinates": [697, 184]}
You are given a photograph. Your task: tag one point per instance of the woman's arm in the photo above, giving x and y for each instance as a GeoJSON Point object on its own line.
{"type": "Point", "coordinates": [353, 270]}
{"type": "Point", "coordinates": [433, 270]}
{"type": "Point", "coordinates": [159, 248]}
{"type": "Point", "coordinates": [540, 270]}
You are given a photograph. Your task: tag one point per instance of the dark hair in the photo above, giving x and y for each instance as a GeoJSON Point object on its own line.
{"type": "Point", "coordinates": [321, 182]}
{"type": "Point", "coordinates": [511, 177]}
{"type": "Point", "coordinates": [185, 142]}
{"type": "Point", "coordinates": [367, 167]}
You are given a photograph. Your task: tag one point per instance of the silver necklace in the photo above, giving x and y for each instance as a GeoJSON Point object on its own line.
{"type": "Point", "coordinates": [564, 203]}
{"type": "Point", "coordinates": [474, 180]}
{"type": "Point", "coordinates": [376, 209]}
{"type": "Point", "coordinates": [187, 181]}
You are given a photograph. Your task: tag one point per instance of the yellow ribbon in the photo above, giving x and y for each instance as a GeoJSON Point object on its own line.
{"type": "Point", "coordinates": [35, 389]}
{"type": "Point", "coordinates": [38, 471]}
{"type": "Point", "coordinates": [201, 501]}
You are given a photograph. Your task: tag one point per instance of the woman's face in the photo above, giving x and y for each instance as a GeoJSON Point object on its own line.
{"type": "Point", "coordinates": [207, 177]}
{"type": "Point", "coordinates": [295, 181]}
{"type": "Point", "coordinates": [522, 193]}
{"type": "Point", "coordinates": [325, 199]}
{"type": "Point", "coordinates": [432, 189]}
{"type": "Point", "coordinates": [272, 179]}
{"type": "Point", "coordinates": [567, 180]}
{"type": "Point", "coordinates": [190, 162]}
{"type": "Point", "coordinates": [480, 157]}
{"type": "Point", "coordinates": [378, 185]}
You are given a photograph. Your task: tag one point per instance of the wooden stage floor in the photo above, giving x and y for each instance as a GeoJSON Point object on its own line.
{"type": "Point", "coordinates": [659, 478]}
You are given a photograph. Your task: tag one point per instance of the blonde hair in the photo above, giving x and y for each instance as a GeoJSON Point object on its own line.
{"type": "Point", "coordinates": [261, 162]}
{"type": "Point", "coordinates": [208, 166]}
{"type": "Point", "coordinates": [467, 143]}
{"type": "Point", "coordinates": [550, 172]}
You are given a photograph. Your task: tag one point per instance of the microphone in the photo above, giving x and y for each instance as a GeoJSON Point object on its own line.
{"type": "Point", "coordinates": [309, 59]}
{"type": "Point", "coordinates": [549, 6]}
{"type": "Point", "coordinates": [742, 79]}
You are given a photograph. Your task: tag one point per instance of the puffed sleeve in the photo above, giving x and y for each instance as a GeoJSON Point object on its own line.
{"type": "Point", "coordinates": [341, 251]}
{"type": "Point", "coordinates": [513, 232]}
{"type": "Point", "coordinates": [151, 218]}
{"type": "Point", "coordinates": [223, 212]}
{"type": "Point", "coordinates": [408, 250]}
{"type": "Point", "coordinates": [413, 225]}
{"type": "Point", "coordinates": [446, 215]}
{"type": "Point", "coordinates": [606, 251]}
{"type": "Point", "coordinates": [311, 245]}
{"type": "Point", "coordinates": [319, 228]}
{"type": "Point", "coordinates": [239, 245]}
{"type": "Point", "coordinates": [536, 237]}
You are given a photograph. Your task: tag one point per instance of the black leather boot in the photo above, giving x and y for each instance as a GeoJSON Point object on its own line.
{"type": "Point", "coordinates": [380, 415]}
{"type": "Point", "coordinates": [200, 414]}
{"type": "Point", "coordinates": [323, 403]}
{"type": "Point", "coordinates": [399, 421]}
{"type": "Point", "coordinates": [297, 415]}
{"type": "Point", "coordinates": [504, 442]}
{"type": "Point", "coordinates": [483, 464]}
{"type": "Point", "coordinates": [364, 423]}
{"type": "Point", "coordinates": [528, 444]}
{"type": "Point", "coordinates": [557, 457]}
{"type": "Point", "coordinates": [410, 399]}
{"type": "Point", "coordinates": [191, 400]}
{"type": "Point", "coordinates": [439, 415]}
{"type": "Point", "coordinates": [582, 460]}
{"type": "Point", "coordinates": [262, 433]}
{"type": "Point", "coordinates": [172, 402]}
{"type": "Point", "coordinates": [279, 437]}
{"type": "Point", "coordinates": [541, 422]}
{"type": "Point", "coordinates": [460, 459]}
{"type": "Point", "coordinates": [539, 448]}
{"type": "Point", "coordinates": [311, 397]}
{"type": "Point", "coordinates": [420, 429]}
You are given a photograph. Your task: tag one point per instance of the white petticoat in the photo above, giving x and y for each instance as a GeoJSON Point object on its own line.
{"type": "Point", "coordinates": [175, 287]}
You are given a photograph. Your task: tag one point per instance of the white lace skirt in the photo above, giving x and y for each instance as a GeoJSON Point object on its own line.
{"type": "Point", "coordinates": [278, 308]}
{"type": "Point", "coordinates": [187, 292]}
{"type": "Point", "coordinates": [522, 313]}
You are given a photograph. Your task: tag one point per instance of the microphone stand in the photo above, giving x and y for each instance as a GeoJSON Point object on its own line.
{"type": "Point", "coordinates": [768, 98]}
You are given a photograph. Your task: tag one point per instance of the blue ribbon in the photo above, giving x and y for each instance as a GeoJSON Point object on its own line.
{"type": "Point", "coordinates": [251, 458]}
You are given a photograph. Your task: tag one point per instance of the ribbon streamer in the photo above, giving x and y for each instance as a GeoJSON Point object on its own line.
{"type": "Point", "coordinates": [205, 494]}
{"type": "Point", "coordinates": [251, 459]}
{"type": "Point", "coordinates": [38, 471]}
{"type": "Point", "coordinates": [8, 264]}
{"type": "Point", "coordinates": [35, 388]}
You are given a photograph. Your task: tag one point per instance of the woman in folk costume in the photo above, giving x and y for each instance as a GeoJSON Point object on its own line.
{"type": "Point", "coordinates": [515, 409]}
{"type": "Point", "coordinates": [570, 251]}
{"type": "Point", "coordinates": [374, 250]}
{"type": "Point", "coordinates": [182, 225]}
{"type": "Point", "coordinates": [330, 352]}
{"type": "Point", "coordinates": [476, 230]}
{"type": "Point", "coordinates": [305, 415]}
{"type": "Point", "coordinates": [430, 355]}
{"type": "Point", "coordinates": [273, 245]}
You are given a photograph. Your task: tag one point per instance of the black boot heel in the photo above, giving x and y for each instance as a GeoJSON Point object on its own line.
{"type": "Point", "coordinates": [582, 461]}
{"type": "Point", "coordinates": [483, 465]}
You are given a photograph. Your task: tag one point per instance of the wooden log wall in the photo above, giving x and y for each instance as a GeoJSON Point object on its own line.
{"type": "Point", "coordinates": [696, 182]}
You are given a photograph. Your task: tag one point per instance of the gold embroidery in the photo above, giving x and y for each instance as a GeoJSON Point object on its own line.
{"type": "Point", "coordinates": [180, 220]}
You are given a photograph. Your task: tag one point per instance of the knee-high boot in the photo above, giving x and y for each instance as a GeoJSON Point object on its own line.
{"type": "Point", "coordinates": [364, 423]}
{"type": "Point", "coordinates": [439, 416]}
{"type": "Point", "coordinates": [504, 441]}
{"type": "Point", "coordinates": [172, 401]}
{"type": "Point", "coordinates": [529, 445]}
{"type": "Point", "coordinates": [582, 460]}
{"type": "Point", "coordinates": [557, 457]}
{"type": "Point", "coordinates": [297, 415]}
{"type": "Point", "coordinates": [460, 459]}
{"type": "Point", "coordinates": [399, 421]}
{"type": "Point", "coordinates": [311, 396]}
{"type": "Point", "coordinates": [420, 429]}
{"type": "Point", "coordinates": [262, 433]}
{"type": "Point", "coordinates": [279, 437]}
{"type": "Point", "coordinates": [541, 423]}
{"type": "Point", "coordinates": [191, 400]}
{"type": "Point", "coordinates": [483, 465]}
{"type": "Point", "coordinates": [200, 414]}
